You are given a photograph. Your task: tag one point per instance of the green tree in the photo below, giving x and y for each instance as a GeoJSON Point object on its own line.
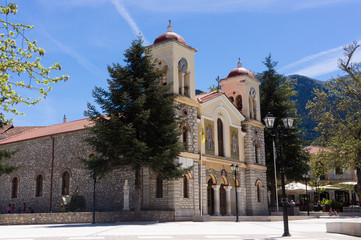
{"type": "Point", "coordinates": [20, 66]}
{"type": "Point", "coordinates": [5, 168]}
{"type": "Point", "coordinates": [276, 92]}
{"type": "Point", "coordinates": [137, 126]}
{"type": "Point", "coordinates": [338, 113]}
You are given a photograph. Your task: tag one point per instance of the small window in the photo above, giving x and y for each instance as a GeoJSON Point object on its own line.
{"type": "Point", "coordinates": [159, 190]}
{"type": "Point", "coordinates": [239, 103]}
{"type": "Point", "coordinates": [39, 186]}
{"type": "Point", "coordinates": [185, 187]}
{"type": "Point", "coordinates": [256, 152]}
{"type": "Point", "coordinates": [258, 193]}
{"type": "Point", "coordinates": [14, 187]}
{"type": "Point", "coordinates": [185, 137]}
{"type": "Point", "coordinates": [339, 171]}
{"type": "Point", "coordinates": [65, 183]}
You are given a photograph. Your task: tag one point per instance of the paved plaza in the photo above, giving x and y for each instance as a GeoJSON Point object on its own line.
{"type": "Point", "coordinates": [300, 229]}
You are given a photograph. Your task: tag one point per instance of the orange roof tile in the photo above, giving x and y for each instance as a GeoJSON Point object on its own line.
{"type": "Point", "coordinates": [38, 132]}
{"type": "Point", "coordinates": [10, 130]}
{"type": "Point", "coordinates": [205, 97]}
{"type": "Point", "coordinates": [316, 149]}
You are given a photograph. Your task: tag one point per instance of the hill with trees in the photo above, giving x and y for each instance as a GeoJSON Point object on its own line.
{"type": "Point", "coordinates": [304, 87]}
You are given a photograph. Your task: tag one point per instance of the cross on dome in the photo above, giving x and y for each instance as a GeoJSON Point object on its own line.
{"type": "Point", "coordinates": [170, 28]}
{"type": "Point", "coordinates": [239, 64]}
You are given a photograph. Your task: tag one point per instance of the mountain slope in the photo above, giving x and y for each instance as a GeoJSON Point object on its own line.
{"type": "Point", "coordinates": [304, 87]}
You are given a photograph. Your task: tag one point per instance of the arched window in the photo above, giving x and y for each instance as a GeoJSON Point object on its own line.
{"type": "Point", "coordinates": [65, 177]}
{"type": "Point", "coordinates": [259, 188]}
{"type": "Point", "coordinates": [14, 187]}
{"type": "Point", "coordinates": [239, 104]}
{"type": "Point", "coordinates": [183, 78]}
{"type": "Point", "coordinates": [164, 75]}
{"type": "Point", "coordinates": [251, 113]}
{"type": "Point", "coordinates": [256, 152]}
{"type": "Point", "coordinates": [220, 137]}
{"type": "Point", "coordinates": [231, 99]}
{"type": "Point", "coordinates": [254, 109]}
{"type": "Point", "coordinates": [185, 187]}
{"type": "Point", "coordinates": [159, 189]}
{"type": "Point", "coordinates": [39, 186]}
{"type": "Point", "coordinates": [185, 137]}
{"type": "Point", "coordinates": [258, 193]}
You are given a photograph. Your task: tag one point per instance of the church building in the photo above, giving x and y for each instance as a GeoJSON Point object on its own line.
{"type": "Point", "coordinates": [222, 131]}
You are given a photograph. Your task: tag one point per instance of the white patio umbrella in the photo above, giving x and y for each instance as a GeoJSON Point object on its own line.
{"type": "Point", "coordinates": [298, 186]}
{"type": "Point", "coordinates": [345, 185]}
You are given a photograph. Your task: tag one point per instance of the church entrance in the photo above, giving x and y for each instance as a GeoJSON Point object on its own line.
{"type": "Point", "coordinates": [222, 198]}
{"type": "Point", "coordinates": [210, 197]}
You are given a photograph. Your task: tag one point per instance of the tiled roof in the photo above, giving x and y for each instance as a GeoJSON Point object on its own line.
{"type": "Point", "coordinates": [38, 132]}
{"type": "Point", "coordinates": [205, 97]}
{"type": "Point", "coordinates": [316, 149]}
{"type": "Point", "coordinates": [10, 130]}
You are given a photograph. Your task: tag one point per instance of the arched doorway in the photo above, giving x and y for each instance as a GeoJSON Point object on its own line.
{"type": "Point", "coordinates": [342, 197]}
{"type": "Point", "coordinates": [210, 197]}
{"type": "Point", "coordinates": [324, 195]}
{"type": "Point", "coordinates": [222, 195]}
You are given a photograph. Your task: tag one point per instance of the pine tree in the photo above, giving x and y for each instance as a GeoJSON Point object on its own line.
{"type": "Point", "coordinates": [276, 92]}
{"type": "Point", "coordinates": [5, 168]}
{"type": "Point", "coordinates": [137, 126]}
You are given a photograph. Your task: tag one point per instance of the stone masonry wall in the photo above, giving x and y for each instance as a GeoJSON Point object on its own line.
{"type": "Point", "coordinates": [84, 217]}
{"type": "Point", "coordinates": [35, 157]}
{"type": "Point", "coordinates": [253, 207]}
{"type": "Point", "coordinates": [189, 114]}
{"type": "Point", "coordinates": [254, 134]}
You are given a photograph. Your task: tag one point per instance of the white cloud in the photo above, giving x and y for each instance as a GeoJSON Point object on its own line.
{"type": "Point", "coordinates": [125, 14]}
{"type": "Point", "coordinates": [319, 64]}
{"type": "Point", "coordinates": [79, 58]}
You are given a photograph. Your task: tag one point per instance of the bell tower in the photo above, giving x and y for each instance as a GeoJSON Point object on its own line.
{"type": "Point", "coordinates": [177, 58]}
{"type": "Point", "coordinates": [242, 88]}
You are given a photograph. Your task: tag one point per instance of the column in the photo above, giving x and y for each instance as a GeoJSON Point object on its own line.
{"type": "Point", "coordinates": [126, 196]}
{"type": "Point", "coordinates": [216, 200]}
{"type": "Point", "coordinates": [239, 200]}
{"type": "Point", "coordinates": [332, 194]}
{"type": "Point", "coordinates": [228, 200]}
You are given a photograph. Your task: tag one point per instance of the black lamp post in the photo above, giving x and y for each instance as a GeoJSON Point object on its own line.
{"type": "Point", "coordinates": [306, 176]}
{"type": "Point", "coordinates": [95, 181]}
{"type": "Point", "coordinates": [235, 169]}
{"type": "Point", "coordinates": [279, 132]}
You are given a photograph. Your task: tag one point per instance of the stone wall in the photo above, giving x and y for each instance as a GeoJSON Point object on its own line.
{"type": "Point", "coordinates": [254, 135]}
{"type": "Point", "coordinates": [189, 116]}
{"type": "Point", "coordinates": [35, 157]}
{"type": "Point", "coordinates": [84, 217]}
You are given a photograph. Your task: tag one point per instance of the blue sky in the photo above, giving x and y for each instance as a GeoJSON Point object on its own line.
{"type": "Point", "coordinates": [304, 36]}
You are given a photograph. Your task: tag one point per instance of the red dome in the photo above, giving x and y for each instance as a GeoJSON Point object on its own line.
{"type": "Point", "coordinates": [240, 71]}
{"type": "Point", "coordinates": [169, 35]}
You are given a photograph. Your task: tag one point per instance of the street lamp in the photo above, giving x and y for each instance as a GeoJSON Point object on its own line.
{"type": "Point", "coordinates": [95, 181]}
{"type": "Point", "coordinates": [235, 169]}
{"type": "Point", "coordinates": [278, 133]}
{"type": "Point", "coordinates": [306, 176]}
